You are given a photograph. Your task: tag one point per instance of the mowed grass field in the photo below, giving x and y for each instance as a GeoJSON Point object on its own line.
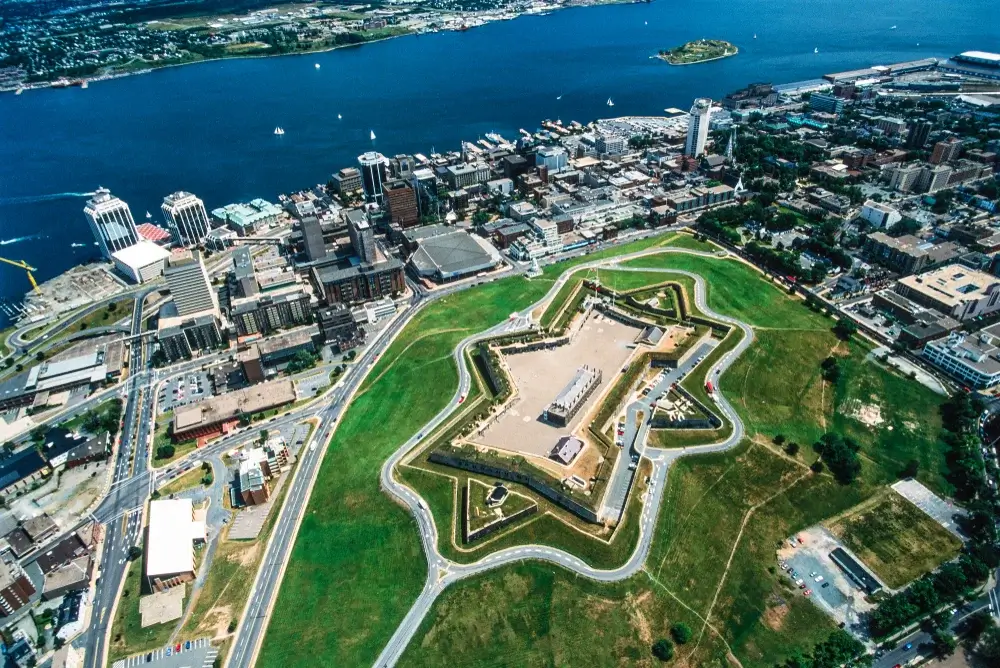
{"type": "Point", "coordinates": [895, 539]}
{"type": "Point", "coordinates": [356, 566]}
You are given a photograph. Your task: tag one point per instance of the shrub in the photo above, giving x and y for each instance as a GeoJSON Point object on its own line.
{"type": "Point", "coordinates": [663, 649]}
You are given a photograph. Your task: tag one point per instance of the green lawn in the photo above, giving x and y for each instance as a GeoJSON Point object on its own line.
{"type": "Point", "coordinates": [481, 514]}
{"type": "Point", "coordinates": [127, 635]}
{"type": "Point", "coordinates": [739, 291]}
{"type": "Point", "coordinates": [894, 538]}
{"type": "Point", "coordinates": [535, 614]}
{"type": "Point", "coordinates": [182, 483]}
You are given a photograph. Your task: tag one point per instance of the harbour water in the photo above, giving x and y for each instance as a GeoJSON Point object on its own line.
{"type": "Point", "coordinates": [209, 128]}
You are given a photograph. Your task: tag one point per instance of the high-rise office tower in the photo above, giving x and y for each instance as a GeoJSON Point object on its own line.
{"type": "Point", "coordinates": [373, 167]}
{"type": "Point", "coordinates": [362, 235]}
{"type": "Point", "coordinates": [111, 222]}
{"type": "Point", "coordinates": [186, 216]}
{"type": "Point", "coordinates": [946, 151]}
{"type": "Point", "coordinates": [698, 127]}
{"type": "Point", "coordinates": [189, 283]}
{"type": "Point", "coordinates": [917, 136]}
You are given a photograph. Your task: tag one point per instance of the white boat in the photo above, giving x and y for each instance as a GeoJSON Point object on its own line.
{"type": "Point", "coordinates": [558, 97]}
{"type": "Point", "coordinates": [339, 117]}
{"type": "Point", "coordinates": [279, 131]}
{"type": "Point", "coordinates": [373, 135]}
{"type": "Point", "coordinates": [149, 216]}
{"type": "Point", "coordinates": [816, 50]}
{"type": "Point", "coordinates": [317, 66]}
{"type": "Point", "coordinates": [611, 102]}
{"type": "Point", "coordinates": [892, 28]}
{"type": "Point", "coordinates": [755, 35]}
{"type": "Point", "coordinates": [76, 245]}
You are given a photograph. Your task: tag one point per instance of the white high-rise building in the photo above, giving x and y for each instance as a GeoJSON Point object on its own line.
{"type": "Point", "coordinates": [186, 217]}
{"type": "Point", "coordinates": [373, 166]}
{"type": "Point", "coordinates": [698, 127]}
{"type": "Point", "coordinates": [111, 222]}
{"type": "Point", "coordinates": [190, 286]}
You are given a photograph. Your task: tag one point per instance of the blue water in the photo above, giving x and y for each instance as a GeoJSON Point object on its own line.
{"type": "Point", "coordinates": [208, 128]}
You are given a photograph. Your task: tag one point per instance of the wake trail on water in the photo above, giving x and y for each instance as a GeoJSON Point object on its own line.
{"type": "Point", "coordinates": [32, 199]}
{"type": "Point", "coordinates": [16, 240]}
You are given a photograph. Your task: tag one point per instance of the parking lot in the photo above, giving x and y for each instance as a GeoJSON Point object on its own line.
{"type": "Point", "coordinates": [192, 387]}
{"type": "Point", "coordinates": [193, 654]}
{"type": "Point", "coordinates": [809, 568]}
{"type": "Point", "coordinates": [940, 509]}
{"type": "Point", "coordinates": [312, 385]}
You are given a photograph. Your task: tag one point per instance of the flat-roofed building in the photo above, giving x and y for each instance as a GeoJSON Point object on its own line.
{"type": "Point", "coordinates": [908, 254]}
{"type": "Point", "coordinates": [82, 371]}
{"type": "Point", "coordinates": [347, 180]}
{"type": "Point", "coordinates": [190, 287]}
{"type": "Point", "coordinates": [401, 203]}
{"type": "Point", "coordinates": [878, 215]}
{"type": "Point", "coordinates": [346, 283]}
{"type": "Point", "coordinates": [566, 450]}
{"type": "Point", "coordinates": [339, 328]}
{"type": "Point", "coordinates": [180, 337]}
{"type": "Point", "coordinates": [254, 489]}
{"type": "Point", "coordinates": [172, 533]}
{"type": "Point", "coordinates": [141, 262]}
{"type": "Point", "coordinates": [266, 313]}
{"type": "Point", "coordinates": [219, 414]}
{"type": "Point", "coordinates": [246, 219]}
{"type": "Point", "coordinates": [279, 349]}
{"type": "Point", "coordinates": [973, 359]}
{"type": "Point", "coordinates": [955, 290]}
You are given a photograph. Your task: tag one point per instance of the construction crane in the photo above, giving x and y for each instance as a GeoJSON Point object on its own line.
{"type": "Point", "coordinates": [27, 267]}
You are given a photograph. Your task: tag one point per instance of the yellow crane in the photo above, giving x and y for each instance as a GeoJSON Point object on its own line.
{"type": "Point", "coordinates": [21, 264]}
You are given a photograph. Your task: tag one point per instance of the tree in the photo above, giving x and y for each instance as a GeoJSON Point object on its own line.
{"type": "Point", "coordinates": [264, 433]}
{"type": "Point", "coordinates": [681, 633]}
{"type": "Point", "coordinates": [911, 469]}
{"type": "Point", "coordinates": [165, 451]}
{"type": "Point", "coordinates": [779, 439]}
{"type": "Point", "coordinates": [663, 649]}
{"type": "Point", "coordinates": [845, 329]}
{"type": "Point", "coordinates": [944, 643]}
{"type": "Point", "coordinates": [840, 454]}
{"type": "Point", "coordinates": [134, 552]}
{"type": "Point", "coordinates": [989, 643]}
{"type": "Point", "coordinates": [975, 624]}
{"type": "Point", "coordinates": [792, 449]}
{"type": "Point", "coordinates": [816, 466]}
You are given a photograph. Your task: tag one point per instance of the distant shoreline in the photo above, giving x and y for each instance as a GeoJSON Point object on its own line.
{"type": "Point", "coordinates": [75, 82]}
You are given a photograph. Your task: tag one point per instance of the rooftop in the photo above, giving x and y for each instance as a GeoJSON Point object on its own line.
{"type": "Point", "coordinates": [229, 406]}
{"type": "Point", "coordinates": [172, 528]}
{"type": "Point", "coordinates": [454, 253]}
{"type": "Point", "coordinates": [952, 284]}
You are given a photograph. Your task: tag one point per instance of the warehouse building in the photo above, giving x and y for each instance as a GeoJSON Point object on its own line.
{"type": "Point", "coordinates": [141, 262]}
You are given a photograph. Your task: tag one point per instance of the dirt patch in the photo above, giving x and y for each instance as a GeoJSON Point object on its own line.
{"type": "Point", "coordinates": [774, 616]}
{"type": "Point", "coordinates": [216, 621]}
{"type": "Point", "coordinates": [638, 619]}
{"type": "Point", "coordinates": [248, 556]}
{"type": "Point", "coordinates": [869, 415]}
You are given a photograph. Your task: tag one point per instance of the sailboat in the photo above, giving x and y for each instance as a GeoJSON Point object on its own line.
{"type": "Point", "coordinates": [611, 102]}
{"type": "Point", "coordinates": [279, 131]}
{"type": "Point", "coordinates": [755, 35]}
{"type": "Point", "coordinates": [339, 117]}
{"type": "Point", "coordinates": [816, 50]}
{"type": "Point", "coordinates": [149, 216]}
{"type": "Point", "coordinates": [317, 66]}
{"type": "Point", "coordinates": [559, 97]}
{"type": "Point", "coordinates": [373, 135]}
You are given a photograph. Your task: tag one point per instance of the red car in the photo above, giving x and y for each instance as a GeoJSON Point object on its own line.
{"type": "Point", "coordinates": [177, 648]}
